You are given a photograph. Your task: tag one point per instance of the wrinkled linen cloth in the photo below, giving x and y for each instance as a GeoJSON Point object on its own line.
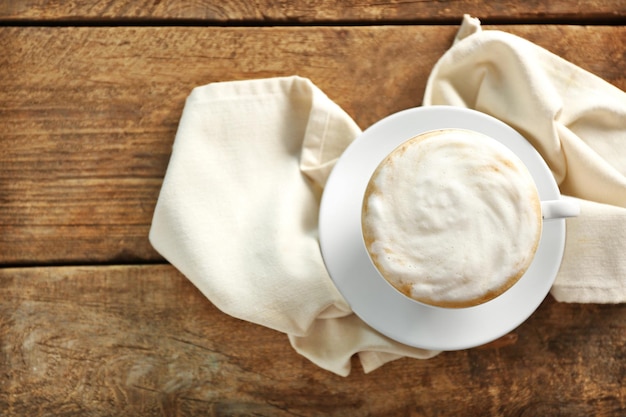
{"type": "Point", "coordinates": [575, 120]}
{"type": "Point", "coordinates": [237, 213]}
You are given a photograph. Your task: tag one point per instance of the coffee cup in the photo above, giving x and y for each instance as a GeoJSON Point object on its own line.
{"type": "Point", "coordinates": [452, 218]}
{"type": "Point", "coordinates": [559, 209]}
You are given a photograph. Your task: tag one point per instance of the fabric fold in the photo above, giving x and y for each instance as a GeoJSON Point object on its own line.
{"type": "Point", "coordinates": [576, 121]}
{"type": "Point", "coordinates": [237, 213]}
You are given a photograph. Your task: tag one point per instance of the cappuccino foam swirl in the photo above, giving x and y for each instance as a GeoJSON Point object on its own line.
{"type": "Point", "coordinates": [451, 218]}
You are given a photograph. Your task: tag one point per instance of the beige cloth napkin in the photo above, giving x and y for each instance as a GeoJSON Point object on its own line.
{"type": "Point", "coordinates": [575, 120]}
{"type": "Point", "coordinates": [237, 212]}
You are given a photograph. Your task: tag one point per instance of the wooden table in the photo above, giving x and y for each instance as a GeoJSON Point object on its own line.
{"type": "Point", "coordinates": [94, 323]}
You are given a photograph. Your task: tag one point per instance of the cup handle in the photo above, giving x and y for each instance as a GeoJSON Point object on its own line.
{"type": "Point", "coordinates": [558, 209]}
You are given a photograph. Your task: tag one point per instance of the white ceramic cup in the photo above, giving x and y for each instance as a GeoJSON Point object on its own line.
{"type": "Point", "coordinates": [558, 209]}
{"type": "Point", "coordinates": [423, 265]}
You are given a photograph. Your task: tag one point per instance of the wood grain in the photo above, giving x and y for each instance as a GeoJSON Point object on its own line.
{"type": "Point", "coordinates": [307, 11]}
{"type": "Point", "coordinates": [90, 97]}
{"type": "Point", "coordinates": [88, 115]}
{"type": "Point", "coordinates": [142, 341]}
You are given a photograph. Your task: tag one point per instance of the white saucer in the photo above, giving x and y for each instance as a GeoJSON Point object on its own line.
{"type": "Point", "coordinates": [374, 300]}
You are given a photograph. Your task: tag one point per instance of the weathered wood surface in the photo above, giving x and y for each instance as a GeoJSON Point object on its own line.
{"type": "Point", "coordinates": [141, 340]}
{"type": "Point", "coordinates": [88, 114]}
{"type": "Point", "coordinates": [87, 118]}
{"type": "Point", "coordinates": [303, 11]}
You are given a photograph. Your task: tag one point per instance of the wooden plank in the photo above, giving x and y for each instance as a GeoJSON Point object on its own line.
{"type": "Point", "coordinates": [305, 11]}
{"type": "Point", "coordinates": [88, 115]}
{"type": "Point", "coordinates": [141, 340]}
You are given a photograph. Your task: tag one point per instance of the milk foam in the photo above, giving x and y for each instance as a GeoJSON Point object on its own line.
{"type": "Point", "coordinates": [451, 217]}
